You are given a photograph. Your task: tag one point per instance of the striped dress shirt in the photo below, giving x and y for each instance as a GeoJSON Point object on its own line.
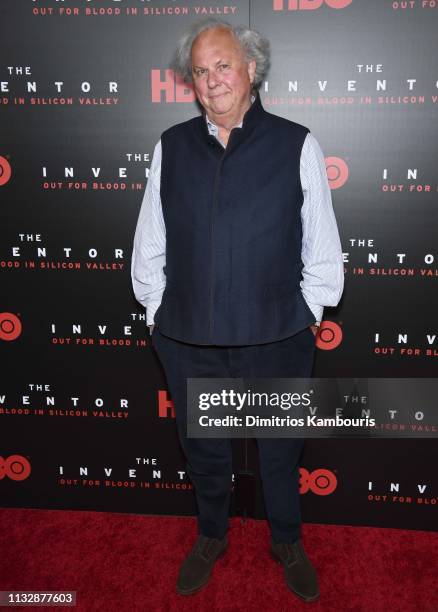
{"type": "Point", "coordinates": [323, 270]}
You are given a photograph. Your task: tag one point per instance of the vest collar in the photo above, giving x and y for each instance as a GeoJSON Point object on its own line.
{"type": "Point", "coordinates": [251, 118]}
{"type": "Point", "coordinates": [213, 128]}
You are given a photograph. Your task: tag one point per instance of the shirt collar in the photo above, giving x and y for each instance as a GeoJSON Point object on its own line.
{"type": "Point", "coordinates": [213, 128]}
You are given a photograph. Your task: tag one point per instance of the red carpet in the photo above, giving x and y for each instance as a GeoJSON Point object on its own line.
{"type": "Point", "coordinates": [130, 562]}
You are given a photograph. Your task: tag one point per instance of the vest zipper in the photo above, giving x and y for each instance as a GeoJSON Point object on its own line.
{"type": "Point", "coordinates": [213, 210]}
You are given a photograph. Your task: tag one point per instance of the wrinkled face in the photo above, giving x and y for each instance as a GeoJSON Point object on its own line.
{"type": "Point", "coordinates": [221, 77]}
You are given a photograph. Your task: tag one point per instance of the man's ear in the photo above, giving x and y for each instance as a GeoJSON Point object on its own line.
{"type": "Point", "coordinates": [251, 70]}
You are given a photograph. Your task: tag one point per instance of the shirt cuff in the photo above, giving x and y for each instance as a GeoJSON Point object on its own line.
{"type": "Point", "coordinates": [317, 311]}
{"type": "Point", "coordinates": [151, 309]}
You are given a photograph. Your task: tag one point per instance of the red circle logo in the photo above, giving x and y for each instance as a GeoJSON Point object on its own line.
{"type": "Point", "coordinates": [14, 467]}
{"type": "Point", "coordinates": [337, 172]}
{"type": "Point", "coordinates": [10, 326]}
{"type": "Point", "coordinates": [320, 482]}
{"type": "Point", "coordinates": [329, 336]}
{"type": "Point", "coordinates": [5, 170]}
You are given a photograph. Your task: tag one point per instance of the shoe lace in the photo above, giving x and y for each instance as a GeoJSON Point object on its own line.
{"type": "Point", "coordinates": [292, 553]}
{"type": "Point", "coordinates": [203, 546]}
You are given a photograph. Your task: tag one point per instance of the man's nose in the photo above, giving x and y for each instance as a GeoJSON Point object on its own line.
{"type": "Point", "coordinates": [212, 79]}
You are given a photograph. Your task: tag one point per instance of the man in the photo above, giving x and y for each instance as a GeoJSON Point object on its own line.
{"type": "Point", "coordinates": [236, 253]}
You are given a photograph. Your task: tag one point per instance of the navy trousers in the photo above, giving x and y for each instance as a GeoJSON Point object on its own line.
{"type": "Point", "coordinates": [209, 461]}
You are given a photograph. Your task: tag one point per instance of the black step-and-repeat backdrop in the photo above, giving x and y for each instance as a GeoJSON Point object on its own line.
{"type": "Point", "coordinates": [85, 417]}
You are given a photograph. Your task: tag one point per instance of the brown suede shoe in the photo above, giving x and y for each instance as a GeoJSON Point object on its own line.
{"type": "Point", "coordinates": [299, 572]}
{"type": "Point", "coordinates": [195, 571]}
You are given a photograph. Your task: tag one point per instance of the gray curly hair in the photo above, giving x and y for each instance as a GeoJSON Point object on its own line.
{"type": "Point", "coordinates": [253, 45]}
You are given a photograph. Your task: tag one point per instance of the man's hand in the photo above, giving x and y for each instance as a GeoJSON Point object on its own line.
{"type": "Point", "coordinates": [314, 329]}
